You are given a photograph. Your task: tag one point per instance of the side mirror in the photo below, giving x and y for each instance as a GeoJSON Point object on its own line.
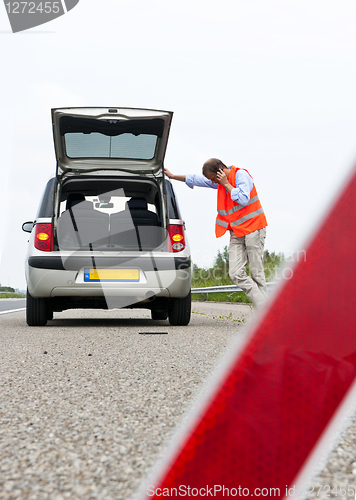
{"type": "Point", "coordinates": [27, 227]}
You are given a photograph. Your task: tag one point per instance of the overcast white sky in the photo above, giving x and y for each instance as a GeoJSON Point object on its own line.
{"type": "Point", "coordinates": [266, 85]}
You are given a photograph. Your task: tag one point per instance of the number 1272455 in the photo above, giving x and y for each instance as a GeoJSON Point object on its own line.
{"type": "Point", "coordinates": [33, 7]}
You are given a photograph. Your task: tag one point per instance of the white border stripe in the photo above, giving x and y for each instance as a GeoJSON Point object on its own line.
{"type": "Point", "coordinates": [13, 310]}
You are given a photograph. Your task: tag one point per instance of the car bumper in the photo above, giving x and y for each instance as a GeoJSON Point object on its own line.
{"type": "Point", "coordinates": [161, 276]}
{"type": "Point", "coordinates": [76, 263]}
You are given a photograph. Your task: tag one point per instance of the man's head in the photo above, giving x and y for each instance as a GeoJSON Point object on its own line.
{"type": "Point", "coordinates": [211, 168]}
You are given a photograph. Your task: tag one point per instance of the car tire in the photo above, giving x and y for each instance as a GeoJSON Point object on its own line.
{"type": "Point", "coordinates": [180, 310]}
{"type": "Point", "coordinates": [36, 311]}
{"type": "Point", "coordinates": [159, 314]}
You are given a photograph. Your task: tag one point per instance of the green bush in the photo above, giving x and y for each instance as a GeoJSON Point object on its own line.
{"type": "Point", "coordinates": [6, 289]}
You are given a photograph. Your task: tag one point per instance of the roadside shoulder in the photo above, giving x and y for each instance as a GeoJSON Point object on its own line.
{"type": "Point", "coordinates": [235, 311]}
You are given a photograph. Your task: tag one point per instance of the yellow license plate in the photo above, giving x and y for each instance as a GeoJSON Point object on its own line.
{"type": "Point", "coordinates": [111, 275]}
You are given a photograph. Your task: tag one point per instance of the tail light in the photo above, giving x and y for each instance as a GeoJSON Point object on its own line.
{"type": "Point", "coordinates": [176, 233]}
{"type": "Point", "coordinates": [44, 237]}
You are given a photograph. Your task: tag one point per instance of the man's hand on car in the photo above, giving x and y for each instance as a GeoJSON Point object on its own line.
{"type": "Point", "coordinates": [168, 173]}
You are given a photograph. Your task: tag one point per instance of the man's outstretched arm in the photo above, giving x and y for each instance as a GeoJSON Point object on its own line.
{"type": "Point", "coordinates": [192, 180]}
{"type": "Point", "coordinates": [174, 177]}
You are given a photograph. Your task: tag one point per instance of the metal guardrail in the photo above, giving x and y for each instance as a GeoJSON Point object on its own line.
{"type": "Point", "coordinates": [225, 288]}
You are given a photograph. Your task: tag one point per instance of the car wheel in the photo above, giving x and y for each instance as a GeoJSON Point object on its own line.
{"type": "Point", "coordinates": [49, 315]}
{"type": "Point", "coordinates": [180, 310]}
{"type": "Point", "coordinates": [159, 314]}
{"type": "Point", "coordinates": [36, 311]}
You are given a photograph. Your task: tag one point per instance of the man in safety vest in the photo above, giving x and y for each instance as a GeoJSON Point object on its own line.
{"type": "Point", "coordinates": [241, 213]}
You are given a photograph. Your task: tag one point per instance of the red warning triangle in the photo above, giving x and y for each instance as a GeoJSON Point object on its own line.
{"type": "Point", "coordinates": [276, 398]}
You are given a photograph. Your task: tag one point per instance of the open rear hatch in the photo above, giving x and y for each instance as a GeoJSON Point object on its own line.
{"type": "Point", "coordinates": [120, 139]}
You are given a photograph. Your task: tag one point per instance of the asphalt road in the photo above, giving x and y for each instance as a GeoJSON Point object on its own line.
{"type": "Point", "coordinates": [11, 304]}
{"type": "Point", "coordinates": [89, 402]}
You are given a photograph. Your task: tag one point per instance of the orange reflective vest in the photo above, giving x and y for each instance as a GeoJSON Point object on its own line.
{"type": "Point", "coordinates": [233, 216]}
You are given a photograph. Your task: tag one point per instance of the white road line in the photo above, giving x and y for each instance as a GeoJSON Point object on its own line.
{"type": "Point", "coordinates": [13, 310]}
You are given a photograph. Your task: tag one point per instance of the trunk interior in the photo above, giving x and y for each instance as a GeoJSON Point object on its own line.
{"type": "Point", "coordinates": [110, 214]}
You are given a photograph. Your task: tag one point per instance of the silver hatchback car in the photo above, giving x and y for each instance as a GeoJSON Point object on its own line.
{"type": "Point", "coordinates": [108, 233]}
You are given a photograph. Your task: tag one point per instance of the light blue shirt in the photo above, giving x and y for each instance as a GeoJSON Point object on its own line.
{"type": "Point", "coordinates": [240, 194]}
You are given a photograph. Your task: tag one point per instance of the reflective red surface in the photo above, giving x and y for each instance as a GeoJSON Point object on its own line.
{"type": "Point", "coordinates": [281, 391]}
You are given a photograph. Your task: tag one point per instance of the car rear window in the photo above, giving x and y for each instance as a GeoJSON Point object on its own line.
{"type": "Point", "coordinates": [97, 145]}
{"type": "Point", "coordinates": [122, 139]}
